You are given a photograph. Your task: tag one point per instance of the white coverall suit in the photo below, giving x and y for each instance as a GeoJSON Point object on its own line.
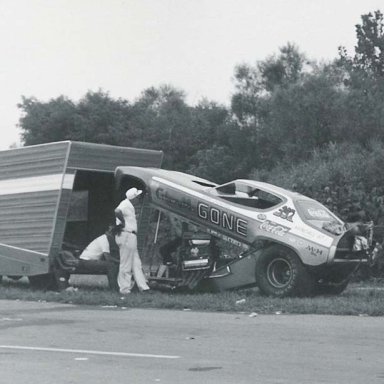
{"type": "Point", "coordinates": [130, 262]}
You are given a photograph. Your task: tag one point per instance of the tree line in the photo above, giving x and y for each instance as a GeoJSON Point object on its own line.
{"type": "Point", "coordinates": [285, 111]}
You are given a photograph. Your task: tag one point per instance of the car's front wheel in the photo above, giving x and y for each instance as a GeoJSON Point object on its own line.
{"type": "Point", "coordinates": [280, 273]}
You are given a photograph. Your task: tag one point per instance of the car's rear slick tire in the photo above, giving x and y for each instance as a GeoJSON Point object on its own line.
{"type": "Point", "coordinates": [280, 273]}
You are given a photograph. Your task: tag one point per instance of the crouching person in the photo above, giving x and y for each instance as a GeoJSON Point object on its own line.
{"type": "Point", "coordinates": [103, 250]}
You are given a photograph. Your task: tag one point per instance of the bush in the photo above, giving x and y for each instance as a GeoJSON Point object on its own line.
{"type": "Point", "coordinates": [345, 177]}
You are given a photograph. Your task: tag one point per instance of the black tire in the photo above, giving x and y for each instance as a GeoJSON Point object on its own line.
{"type": "Point", "coordinates": [46, 282]}
{"type": "Point", "coordinates": [280, 273]}
{"type": "Point", "coordinates": [330, 288]}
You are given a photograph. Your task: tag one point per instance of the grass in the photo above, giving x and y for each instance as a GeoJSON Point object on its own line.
{"type": "Point", "coordinates": [359, 299]}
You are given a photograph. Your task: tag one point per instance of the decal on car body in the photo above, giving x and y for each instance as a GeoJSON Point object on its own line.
{"type": "Point", "coordinates": [274, 228]}
{"type": "Point", "coordinates": [285, 213]}
{"type": "Point", "coordinates": [222, 219]}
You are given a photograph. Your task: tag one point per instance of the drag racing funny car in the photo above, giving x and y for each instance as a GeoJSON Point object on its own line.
{"type": "Point", "coordinates": [241, 234]}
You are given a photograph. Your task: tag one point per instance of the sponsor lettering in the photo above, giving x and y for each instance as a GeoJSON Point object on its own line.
{"type": "Point", "coordinates": [314, 251]}
{"type": "Point", "coordinates": [274, 228]}
{"type": "Point", "coordinates": [318, 213]}
{"type": "Point", "coordinates": [182, 203]}
{"type": "Point", "coordinates": [285, 213]}
{"type": "Point", "coordinates": [222, 219]}
{"type": "Point", "coordinates": [227, 238]}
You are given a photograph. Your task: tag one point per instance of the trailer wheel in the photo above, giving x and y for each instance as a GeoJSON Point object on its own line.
{"type": "Point", "coordinates": [46, 282]}
{"type": "Point", "coordinates": [280, 273]}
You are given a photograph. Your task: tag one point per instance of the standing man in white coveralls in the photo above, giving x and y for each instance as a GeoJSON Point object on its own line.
{"type": "Point", "coordinates": [130, 262]}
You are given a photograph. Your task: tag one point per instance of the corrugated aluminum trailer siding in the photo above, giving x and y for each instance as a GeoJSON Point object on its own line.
{"type": "Point", "coordinates": [35, 160]}
{"type": "Point", "coordinates": [107, 157]}
{"type": "Point", "coordinates": [30, 185]}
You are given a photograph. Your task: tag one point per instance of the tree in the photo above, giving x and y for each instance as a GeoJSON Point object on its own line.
{"type": "Point", "coordinates": [159, 119]}
{"type": "Point", "coordinates": [102, 119]}
{"type": "Point", "coordinates": [364, 81]}
{"type": "Point", "coordinates": [304, 115]}
{"type": "Point", "coordinates": [95, 118]}
{"type": "Point", "coordinates": [287, 68]}
{"type": "Point", "coordinates": [285, 106]}
{"type": "Point", "coordinates": [217, 164]}
{"type": "Point", "coordinates": [163, 120]}
{"type": "Point", "coordinates": [369, 51]}
{"type": "Point", "coordinates": [166, 122]}
{"type": "Point", "coordinates": [46, 122]}
{"type": "Point", "coordinates": [209, 125]}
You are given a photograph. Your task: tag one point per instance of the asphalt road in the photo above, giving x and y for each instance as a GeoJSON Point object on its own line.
{"type": "Point", "coordinates": [52, 343]}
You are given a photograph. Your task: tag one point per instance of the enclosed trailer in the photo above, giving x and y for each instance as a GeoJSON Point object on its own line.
{"type": "Point", "coordinates": [57, 193]}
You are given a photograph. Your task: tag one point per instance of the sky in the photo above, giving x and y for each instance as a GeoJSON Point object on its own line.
{"type": "Point", "coordinates": [69, 47]}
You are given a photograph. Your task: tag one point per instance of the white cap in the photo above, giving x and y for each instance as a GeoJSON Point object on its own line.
{"type": "Point", "coordinates": [132, 193]}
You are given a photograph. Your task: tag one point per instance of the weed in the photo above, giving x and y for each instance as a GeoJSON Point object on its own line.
{"type": "Point", "coordinates": [359, 299]}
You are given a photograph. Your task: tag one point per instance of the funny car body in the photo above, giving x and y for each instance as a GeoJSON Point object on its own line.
{"type": "Point", "coordinates": [286, 244]}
